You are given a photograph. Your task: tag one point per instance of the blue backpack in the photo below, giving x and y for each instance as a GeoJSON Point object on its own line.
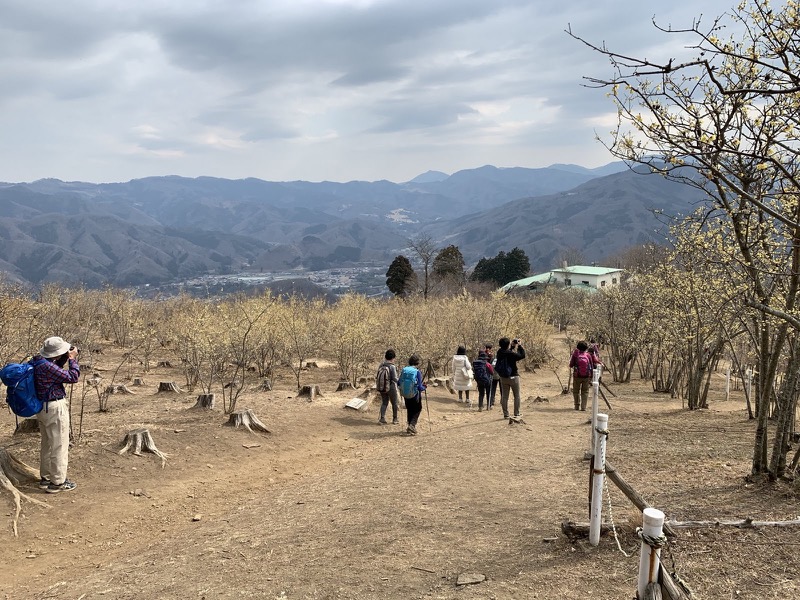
{"type": "Point", "coordinates": [408, 382]}
{"type": "Point", "coordinates": [21, 393]}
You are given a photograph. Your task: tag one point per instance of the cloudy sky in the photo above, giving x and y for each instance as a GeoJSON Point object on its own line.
{"type": "Point", "coordinates": [111, 90]}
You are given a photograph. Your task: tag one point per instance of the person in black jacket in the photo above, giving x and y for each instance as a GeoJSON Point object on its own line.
{"type": "Point", "coordinates": [507, 356]}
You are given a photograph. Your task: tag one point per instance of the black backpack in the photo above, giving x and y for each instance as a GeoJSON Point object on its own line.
{"type": "Point", "coordinates": [482, 374]}
{"type": "Point", "coordinates": [503, 367]}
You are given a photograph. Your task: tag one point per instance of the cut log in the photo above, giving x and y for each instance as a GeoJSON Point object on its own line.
{"type": "Point", "coordinates": [164, 363]}
{"type": "Point", "coordinates": [118, 388]}
{"type": "Point", "coordinates": [13, 472]}
{"type": "Point", "coordinates": [204, 402]}
{"type": "Point", "coordinates": [633, 495]}
{"type": "Point", "coordinates": [344, 385]}
{"type": "Point", "coordinates": [265, 385]}
{"type": "Point", "coordinates": [27, 426]}
{"type": "Point", "coordinates": [581, 530]}
{"type": "Point", "coordinates": [137, 381]}
{"type": "Point", "coordinates": [138, 440]}
{"type": "Point", "coordinates": [310, 392]}
{"type": "Point", "coordinates": [747, 523]}
{"type": "Point", "coordinates": [246, 418]}
{"type": "Point", "coordinates": [168, 387]}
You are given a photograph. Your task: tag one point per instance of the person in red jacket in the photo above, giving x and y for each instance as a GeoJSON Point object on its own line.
{"type": "Point", "coordinates": [582, 362]}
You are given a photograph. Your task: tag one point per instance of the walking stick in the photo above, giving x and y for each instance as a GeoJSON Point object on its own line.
{"type": "Point", "coordinates": [71, 433]}
{"type": "Point", "coordinates": [430, 427]}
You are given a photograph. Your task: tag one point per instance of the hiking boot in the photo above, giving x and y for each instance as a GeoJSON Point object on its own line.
{"type": "Point", "coordinates": [63, 487]}
{"type": "Point", "coordinates": [395, 422]}
{"type": "Point", "coordinates": [44, 483]}
{"type": "Point", "coordinates": [382, 421]}
{"type": "Point", "coordinates": [411, 430]}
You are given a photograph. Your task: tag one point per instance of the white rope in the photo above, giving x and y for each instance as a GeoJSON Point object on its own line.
{"type": "Point", "coordinates": [611, 518]}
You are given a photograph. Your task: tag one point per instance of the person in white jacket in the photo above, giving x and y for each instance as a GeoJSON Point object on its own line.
{"type": "Point", "coordinates": [463, 378]}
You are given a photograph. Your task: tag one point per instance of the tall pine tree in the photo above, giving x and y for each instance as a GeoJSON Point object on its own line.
{"type": "Point", "coordinates": [400, 277]}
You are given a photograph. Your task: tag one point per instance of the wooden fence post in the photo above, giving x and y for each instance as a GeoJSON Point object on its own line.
{"type": "Point", "coordinates": [598, 472]}
{"type": "Point", "coordinates": [652, 540]}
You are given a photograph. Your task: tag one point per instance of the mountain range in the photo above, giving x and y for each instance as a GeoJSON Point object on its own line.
{"type": "Point", "coordinates": [160, 229]}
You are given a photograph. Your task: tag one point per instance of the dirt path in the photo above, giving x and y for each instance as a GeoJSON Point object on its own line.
{"type": "Point", "coordinates": [332, 505]}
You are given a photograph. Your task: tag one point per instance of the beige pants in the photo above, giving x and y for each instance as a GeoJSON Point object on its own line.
{"type": "Point", "coordinates": [54, 429]}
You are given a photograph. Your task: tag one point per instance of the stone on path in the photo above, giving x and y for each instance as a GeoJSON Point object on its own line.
{"type": "Point", "coordinates": [470, 578]}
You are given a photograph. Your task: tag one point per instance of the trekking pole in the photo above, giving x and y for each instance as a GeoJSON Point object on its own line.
{"type": "Point", "coordinates": [71, 432]}
{"type": "Point", "coordinates": [430, 427]}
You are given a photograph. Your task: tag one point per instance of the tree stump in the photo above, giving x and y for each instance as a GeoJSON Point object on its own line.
{"type": "Point", "coordinates": [362, 380]}
{"type": "Point", "coordinates": [344, 385]}
{"type": "Point", "coordinates": [246, 418]}
{"type": "Point", "coordinates": [164, 363]}
{"type": "Point", "coordinates": [168, 386]}
{"type": "Point", "coordinates": [12, 472]}
{"type": "Point", "coordinates": [118, 388]}
{"type": "Point", "coordinates": [27, 426]}
{"type": "Point", "coordinates": [369, 393]}
{"type": "Point", "coordinates": [310, 392]}
{"type": "Point", "coordinates": [138, 440]}
{"type": "Point", "coordinates": [138, 381]}
{"type": "Point", "coordinates": [204, 402]}
{"type": "Point", "coordinates": [312, 365]}
{"type": "Point", "coordinates": [265, 385]}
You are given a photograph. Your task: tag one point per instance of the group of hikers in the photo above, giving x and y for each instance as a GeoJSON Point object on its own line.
{"type": "Point", "coordinates": [486, 373]}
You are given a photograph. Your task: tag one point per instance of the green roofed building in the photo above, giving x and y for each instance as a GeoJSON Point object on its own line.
{"type": "Point", "coordinates": [577, 276]}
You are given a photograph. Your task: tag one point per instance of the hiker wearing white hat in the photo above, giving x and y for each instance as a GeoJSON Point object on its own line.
{"type": "Point", "coordinates": [55, 365]}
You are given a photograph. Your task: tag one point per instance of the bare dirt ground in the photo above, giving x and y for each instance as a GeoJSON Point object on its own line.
{"type": "Point", "coordinates": [333, 505]}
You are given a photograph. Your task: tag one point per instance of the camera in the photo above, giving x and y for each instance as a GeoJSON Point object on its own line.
{"type": "Point", "coordinates": [515, 341]}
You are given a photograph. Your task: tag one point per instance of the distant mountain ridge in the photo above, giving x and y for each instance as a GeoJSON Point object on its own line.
{"type": "Point", "coordinates": [161, 229]}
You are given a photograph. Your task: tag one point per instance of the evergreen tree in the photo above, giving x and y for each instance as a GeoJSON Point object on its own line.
{"type": "Point", "coordinates": [517, 265]}
{"type": "Point", "coordinates": [449, 265]}
{"type": "Point", "coordinates": [502, 268]}
{"type": "Point", "coordinates": [400, 277]}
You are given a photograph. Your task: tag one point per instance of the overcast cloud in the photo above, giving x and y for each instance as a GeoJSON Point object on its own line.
{"type": "Point", "coordinates": [111, 90]}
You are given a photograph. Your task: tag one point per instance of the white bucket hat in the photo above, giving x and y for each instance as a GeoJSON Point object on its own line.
{"type": "Point", "coordinates": [54, 346]}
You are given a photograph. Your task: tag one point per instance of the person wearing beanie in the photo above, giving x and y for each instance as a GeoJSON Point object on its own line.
{"type": "Point", "coordinates": [55, 365]}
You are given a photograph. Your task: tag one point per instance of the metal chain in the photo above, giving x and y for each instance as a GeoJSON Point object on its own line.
{"type": "Point", "coordinates": [674, 572]}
